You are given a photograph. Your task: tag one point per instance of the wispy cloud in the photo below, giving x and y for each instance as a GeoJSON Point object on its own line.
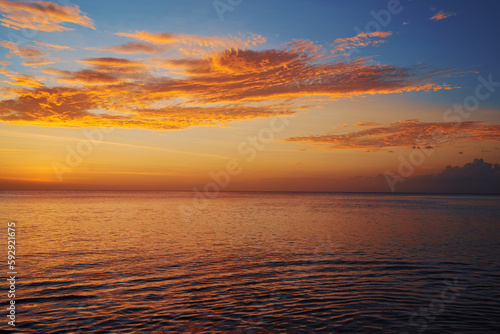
{"type": "Point", "coordinates": [37, 62]}
{"type": "Point", "coordinates": [191, 44]}
{"type": "Point", "coordinates": [24, 81]}
{"type": "Point", "coordinates": [19, 134]}
{"type": "Point", "coordinates": [407, 133]}
{"type": "Point", "coordinates": [366, 124]}
{"type": "Point", "coordinates": [103, 71]}
{"type": "Point", "coordinates": [54, 46]}
{"type": "Point", "coordinates": [34, 56]}
{"type": "Point", "coordinates": [23, 52]}
{"type": "Point", "coordinates": [362, 39]}
{"type": "Point", "coordinates": [41, 15]}
{"type": "Point", "coordinates": [442, 15]}
{"type": "Point", "coordinates": [132, 48]}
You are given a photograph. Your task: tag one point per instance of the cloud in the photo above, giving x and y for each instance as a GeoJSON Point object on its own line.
{"type": "Point", "coordinates": [366, 124]}
{"type": "Point", "coordinates": [238, 83]}
{"type": "Point", "coordinates": [133, 48]}
{"type": "Point", "coordinates": [477, 176]}
{"type": "Point", "coordinates": [37, 62]}
{"type": "Point", "coordinates": [285, 74]}
{"type": "Point", "coordinates": [193, 44]}
{"type": "Point", "coordinates": [54, 46]}
{"type": "Point", "coordinates": [442, 15]}
{"type": "Point", "coordinates": [22, 80]}
{"type": "Point", "coordinates": [21, 51]}
{"type": "Point", "coordinates": [84, 77]}
{"type": "Point", "coordinates": [362, 39]}
{"type": "Point", "coordinates": [109, 64]}
{"type": "Point", "coordinates": [35, 57]}
{"type": "Point", "coordinates": [407, 133]}
{"type": "Point", "coordinates": [102, 71]}
{"type": "Point", "coordinates": [160, 43]}
{"type": "Point", "coordinates": [70, 107]}
{"type": "Point", "coordinates": [41, 15]}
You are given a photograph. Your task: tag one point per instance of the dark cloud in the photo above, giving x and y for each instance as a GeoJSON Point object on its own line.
{"type": "Point", "coordinates": [477, 177]}
{"type": "Point", "coordinates": [474, 177]}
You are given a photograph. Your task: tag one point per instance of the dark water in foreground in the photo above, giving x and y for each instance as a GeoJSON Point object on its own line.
{"type": "Point", "coordinates": [125, 262]}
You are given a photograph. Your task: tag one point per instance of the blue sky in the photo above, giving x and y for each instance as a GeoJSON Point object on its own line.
{"type": "Point", "coordinates": [465, 42]}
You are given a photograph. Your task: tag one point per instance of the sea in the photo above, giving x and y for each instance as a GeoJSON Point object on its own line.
{"type": "Point", "coordinates": [250, 262]}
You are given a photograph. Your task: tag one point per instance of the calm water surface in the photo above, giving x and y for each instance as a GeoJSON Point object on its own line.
{"type": "Point", "coordinates": [130, 262]}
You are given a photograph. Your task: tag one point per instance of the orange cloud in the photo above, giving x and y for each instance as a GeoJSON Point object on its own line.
{"type": "Point", "coordinates": [285, 73]}
{"type": "Point", "coordinates": [85, 77]}
{"type": "Point", "coordinates": [35, 57]}
{"type": "Point", "coordinates": [442, 15]}
{"type": "Point", "coordinates": [54, 46]}
{"type": "Point", "coordinates": [195, 44]}
{"type": "Point", "coordinates": [71, 107]}
{"type": "Point", "coordinates": [38, 62]}
{"type": "Point", "coordinates": [407, 133]}
{"type": "Point", "coordinates": [104, 70]}
{"type": "Point", "coordinates": [133, 48]}
{"type": "Point", "coordinates": [155, 38]}
{"type": "Point", "coordinates": [19, 79]}
{"type": "Point", "coordinates": [366, 124]}
{"type": "Point", "coordinates": [212, 89]}
{"type": "Point", "coordinates": [41, 15]}
{"type": "Point", "coordinates": [23, 52]}
{"type": "Point", "coordinates": [109, 64]}
{"type": "Point", "coordinates": [362, 39]}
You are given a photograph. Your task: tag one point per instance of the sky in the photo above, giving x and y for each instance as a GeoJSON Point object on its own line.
{"type": "Point", "coordinates": [236, 95]}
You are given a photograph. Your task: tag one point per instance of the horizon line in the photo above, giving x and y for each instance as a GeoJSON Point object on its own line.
{"type": "Point", "coordinates": [261, 191]}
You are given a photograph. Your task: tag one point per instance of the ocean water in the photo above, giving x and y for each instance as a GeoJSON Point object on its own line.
{"type": "Point", "coordinates": [132, 262]}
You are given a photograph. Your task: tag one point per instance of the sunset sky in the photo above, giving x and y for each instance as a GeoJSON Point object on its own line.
{"type": "Point", "coordinates": [294, 95]}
